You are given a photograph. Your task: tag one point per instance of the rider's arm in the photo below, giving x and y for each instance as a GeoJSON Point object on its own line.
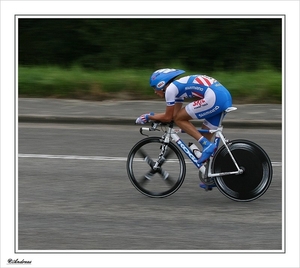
{"type": "Point", "coordinates": [177, 108]}
{"type": "Point", "coordinates": [164, 117]}
{"type": "Point", "coordinates": [173, 105]}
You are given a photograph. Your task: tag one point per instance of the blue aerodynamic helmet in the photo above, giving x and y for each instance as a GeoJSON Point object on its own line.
{"type": "Point", "coordinates": [162, 76]}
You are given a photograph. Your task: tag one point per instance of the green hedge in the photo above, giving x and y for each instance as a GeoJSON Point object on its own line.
{"type": "Point", "coordinates": [264, 86]}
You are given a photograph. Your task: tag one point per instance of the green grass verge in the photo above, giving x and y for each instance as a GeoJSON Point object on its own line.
{"type": "Point", "coordinates": [262, 86]}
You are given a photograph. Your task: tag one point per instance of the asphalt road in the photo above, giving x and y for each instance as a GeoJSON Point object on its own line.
{"type": "Point", "coordinates": [74, 194]}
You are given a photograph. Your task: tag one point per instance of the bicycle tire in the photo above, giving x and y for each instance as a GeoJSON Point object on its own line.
{"type": "Point", "coordinates": [137, 166]}
{"type": "Point", "coordinates": [257, 171]}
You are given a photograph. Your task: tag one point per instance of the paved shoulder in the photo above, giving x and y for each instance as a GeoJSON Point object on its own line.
{"type": "Point", "coordinates": [125, 112]}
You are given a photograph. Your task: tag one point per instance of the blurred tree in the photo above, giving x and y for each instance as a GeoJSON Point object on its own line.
{"type": "Point", "coordinates": [106, 43]}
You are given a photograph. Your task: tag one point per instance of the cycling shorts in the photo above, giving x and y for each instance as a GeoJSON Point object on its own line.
{"type": "Point", "coordinates": [216, 99]}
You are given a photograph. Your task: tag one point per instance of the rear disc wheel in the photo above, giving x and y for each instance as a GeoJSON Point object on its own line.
{"type": "Point", "coordinates": [257, 171]}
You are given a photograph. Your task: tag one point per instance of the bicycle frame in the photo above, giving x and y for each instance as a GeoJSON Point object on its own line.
{"type": "Point", "coordinates": [171, 133]}
{"type": "Point", "coordinates": [218, 136]}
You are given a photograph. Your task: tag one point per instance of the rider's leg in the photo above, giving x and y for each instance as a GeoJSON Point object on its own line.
{"type": "Point", "coordinates": [207, 135]}
{"type": "Point", "coordinates": [182, 120]}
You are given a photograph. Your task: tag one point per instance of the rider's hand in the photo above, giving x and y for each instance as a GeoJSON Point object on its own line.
{"type": "Point", "coordinates": [143, 119]}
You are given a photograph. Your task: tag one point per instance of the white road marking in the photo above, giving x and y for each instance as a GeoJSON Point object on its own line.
{"type": "Point", "coordinates": [74, 157]}
{"type": "Point", "coordinates": [96, 158]}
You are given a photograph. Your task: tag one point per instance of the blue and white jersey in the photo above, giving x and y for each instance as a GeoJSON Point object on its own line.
{"type": "Point", "coordinates": [189, 87]}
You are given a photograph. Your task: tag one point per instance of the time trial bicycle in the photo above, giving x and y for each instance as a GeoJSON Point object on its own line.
{"type": "Point", "coordinates": [240, 169]}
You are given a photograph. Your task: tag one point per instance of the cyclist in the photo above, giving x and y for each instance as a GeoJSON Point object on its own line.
{"type": "Point", "coordinates": [212, 99]}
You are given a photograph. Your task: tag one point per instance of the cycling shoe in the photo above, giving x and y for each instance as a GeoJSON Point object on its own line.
{"type": "Point", "coordinates": [207, 187]}
{"type": "Point", "coordinates": [208, 149]}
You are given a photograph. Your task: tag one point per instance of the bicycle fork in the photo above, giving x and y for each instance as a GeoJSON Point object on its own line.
{"type": "Point", "coordinates": [156, 166]}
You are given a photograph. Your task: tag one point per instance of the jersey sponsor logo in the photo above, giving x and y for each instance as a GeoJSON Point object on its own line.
{"type": "Point", "coordinates": [209, 112]}
{"type": "Point", "coordinates": [194, 88]}
{"type": "Point", "coordinates": [199, 103]}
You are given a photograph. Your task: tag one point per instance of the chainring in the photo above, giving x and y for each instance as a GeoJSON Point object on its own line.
{"type": "Point", "coordinates": [204, 176]}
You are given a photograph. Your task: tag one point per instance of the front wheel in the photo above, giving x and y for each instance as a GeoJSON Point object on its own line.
{"type": "Point", "coordinates": [257, 170]}
{"type": "Point", "coordinates": [160, 182]}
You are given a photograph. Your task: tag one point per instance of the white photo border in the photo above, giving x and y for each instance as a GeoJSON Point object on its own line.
{"type": "Point", "coordinates": [10, 10]}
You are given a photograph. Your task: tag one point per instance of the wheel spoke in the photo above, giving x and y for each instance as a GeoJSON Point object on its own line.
{"type": "Point", "coordinates": [143, 180]}
{"type": "Point", "coordinates": [141, 153]}
{"type": "Point", "coordinates": [164, 174]}
{"type": "Point", "coordinates": [170, 181]}
{"type": "Point", "coordinates": [149, 175]}
{"type": "Point", "coordinates": [146, 158]}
